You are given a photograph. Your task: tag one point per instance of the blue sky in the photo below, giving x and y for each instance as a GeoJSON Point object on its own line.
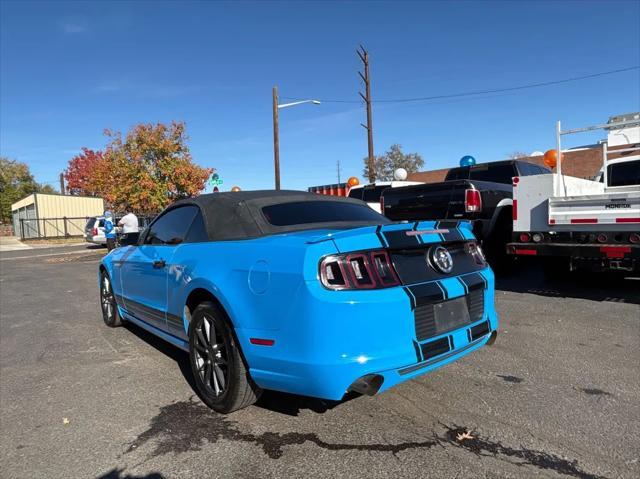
{"type": "Point", "coordinates": [71, 69]}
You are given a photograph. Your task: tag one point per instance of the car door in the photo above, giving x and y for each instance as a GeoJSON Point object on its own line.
{"type": "Point", "coordinates": [144, 273]}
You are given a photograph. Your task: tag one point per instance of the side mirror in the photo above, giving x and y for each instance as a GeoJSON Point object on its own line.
{"type": "Point", "coordinates": [129, 239]}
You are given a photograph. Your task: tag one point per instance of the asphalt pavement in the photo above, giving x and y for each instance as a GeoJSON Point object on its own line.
{"type": "Point", "coordinates": [558, 395]}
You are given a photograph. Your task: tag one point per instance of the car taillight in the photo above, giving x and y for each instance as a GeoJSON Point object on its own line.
{"type": "Point", "coordinates": [634, 238]}
{"type": "Point", "coordinates": [94, 232]}
{"type": "Point", "coordinates": [524, 237]}
{"type": "Point", "coordinates": [368, 270]}
{"type": "Point", "coordinates": [472, 201]}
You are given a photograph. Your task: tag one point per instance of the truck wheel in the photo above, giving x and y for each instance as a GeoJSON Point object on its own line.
{"type": "Point", "coordinates": [496, 245]}
{"type": "Point", "coordinates": [219, 371]}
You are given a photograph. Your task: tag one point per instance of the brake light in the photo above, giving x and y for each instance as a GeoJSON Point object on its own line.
{"type": "Point", "coordinates": [634, 238]}
{"type": "Point", "coordinates": [367, 270]}
{"type": "Point", "coordinates": [472, 201]}
{"type": "Point", "coordinates": [94, 232]}
{"type": "Point", "coordinates": [524, 237]}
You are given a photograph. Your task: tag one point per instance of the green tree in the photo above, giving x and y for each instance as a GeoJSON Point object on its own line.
{"type": "Point", "coordinates": [393, 159]}
{"type": "Point", "coordinates": [16, 182]}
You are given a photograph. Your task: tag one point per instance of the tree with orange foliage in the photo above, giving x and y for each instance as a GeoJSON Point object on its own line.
{"type": "Point", "coordinates": [81, 171]}
{"type": "Point", "coordinates": [148, 169]}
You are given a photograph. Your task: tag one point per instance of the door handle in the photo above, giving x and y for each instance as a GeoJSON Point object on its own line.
{"type": "Point", "coordinates": [159, 264]}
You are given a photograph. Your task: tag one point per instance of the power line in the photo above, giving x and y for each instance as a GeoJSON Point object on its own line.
{"type": "Point", "coordinates": [480, 92]}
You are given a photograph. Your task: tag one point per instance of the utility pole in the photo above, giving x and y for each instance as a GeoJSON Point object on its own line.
{"type": "Point", "coordinates": [62, 190]}
{"type": "Point", "coordinates": [364, 56]}
{"type": "Point", "coordinates": [276, 138]}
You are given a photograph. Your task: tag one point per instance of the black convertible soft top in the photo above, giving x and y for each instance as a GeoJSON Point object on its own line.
{"type": "Point", "coordinates": [239, 215]}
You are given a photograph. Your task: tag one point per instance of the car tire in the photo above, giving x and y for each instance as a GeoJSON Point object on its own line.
{"type": "Point", "coordinates": [219, 370]}
{"type": "Point", "coordinates": [110, 313]}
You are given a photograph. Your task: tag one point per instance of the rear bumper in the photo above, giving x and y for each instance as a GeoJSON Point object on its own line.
{"type": "Point", "coordinates": [95, 239]}
{"type": "Point", "coordinates": [601, 257]}
{"type": "Point", "coordinates": [334, 343]}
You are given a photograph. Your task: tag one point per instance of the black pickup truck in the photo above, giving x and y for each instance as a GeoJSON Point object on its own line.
{"type": "Point", "coordinates": [480, 193]}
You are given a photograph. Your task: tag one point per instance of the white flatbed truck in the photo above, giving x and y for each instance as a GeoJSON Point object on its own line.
{"type": "Point", "coordinates": [582, 224]}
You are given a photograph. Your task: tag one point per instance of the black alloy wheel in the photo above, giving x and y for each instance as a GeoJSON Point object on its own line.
{"type": "Point", "coordinates": [110, 313]}
{"type": "Point", "coordinates": [219, 370]}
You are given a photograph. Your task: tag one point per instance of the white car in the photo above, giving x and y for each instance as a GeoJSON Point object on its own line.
{"type": "Point", "coordinates": [371, 193]}
{"type": "Point", "coordinates": [94, 229]}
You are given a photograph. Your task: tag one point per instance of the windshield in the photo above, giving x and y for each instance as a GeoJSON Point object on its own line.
{"type": "Point", "coordinates": [306, 212]}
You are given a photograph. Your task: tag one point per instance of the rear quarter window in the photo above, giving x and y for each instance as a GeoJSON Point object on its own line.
{"type": "Point", "coordinates": [624, 174]}
{"type": "Point", "coordinates": [90, 223]}
{"type": "Point", "coordinates": [309, 212]}
{"type": "Point", "coordinates": [494, 173]}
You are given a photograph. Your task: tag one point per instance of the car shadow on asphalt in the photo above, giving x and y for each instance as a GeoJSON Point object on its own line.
{"type": "Point", "coordinates": [530, 278]}
{"type": "Point", "coordinates": [119, 474]}
{"type": "Point", "coordinates": [279, 402]}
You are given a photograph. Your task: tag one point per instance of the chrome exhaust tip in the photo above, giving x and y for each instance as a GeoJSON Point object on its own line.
{"type": "Point", "coordinates": [492, 338]}
{"type": "Point", "coordinates": [367, 385]}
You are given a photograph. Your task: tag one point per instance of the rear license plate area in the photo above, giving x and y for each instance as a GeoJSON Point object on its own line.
{"type": "Point", "coordinates": [450, 315]}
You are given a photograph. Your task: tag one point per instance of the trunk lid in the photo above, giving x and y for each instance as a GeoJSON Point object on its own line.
{"type": "Point", "coordinates": [397, 236]}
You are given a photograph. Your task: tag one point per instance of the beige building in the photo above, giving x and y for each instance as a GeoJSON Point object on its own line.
{"type": "Point", "coordinates": [53, 216]}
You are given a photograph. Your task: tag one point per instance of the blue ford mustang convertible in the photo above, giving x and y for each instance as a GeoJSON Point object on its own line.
{"type": "Point", "coordinates": [297, 292]}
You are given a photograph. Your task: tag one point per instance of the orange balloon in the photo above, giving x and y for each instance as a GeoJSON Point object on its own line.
{"type": "Point", "coordinates": [353, 181]}
{"type": "Point", "coordinates": [235, 188]}
{"type": "Point", "coordinates": [550, 158]}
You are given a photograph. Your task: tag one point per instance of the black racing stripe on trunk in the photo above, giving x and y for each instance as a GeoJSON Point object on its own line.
{"type": "Point", "coordinates": [473, 281]}
{"type": "Point", "coordinates": [437, 226]}
{"type": "Point", "coordinates": [383, 242]}
{"type": "Point", "coordinates": [427, 293]}
{"type": "Point", "coordinates": [415, 228]}
{"type": "Point", "coordinates": [453, 234]}
{"type": "Point", "coordinates": [400, 239]}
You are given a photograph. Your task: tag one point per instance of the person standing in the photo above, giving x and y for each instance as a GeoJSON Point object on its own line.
{"type": "Point", "coordinates": [129, 222]}
{"type": "Point", "coordinates": [109, 230]}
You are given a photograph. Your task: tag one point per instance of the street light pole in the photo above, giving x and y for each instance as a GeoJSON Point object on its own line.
{"type": "Point", "coordinates": [276, 130]}
{"type": "Point", "coordinates": [276, 138]}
